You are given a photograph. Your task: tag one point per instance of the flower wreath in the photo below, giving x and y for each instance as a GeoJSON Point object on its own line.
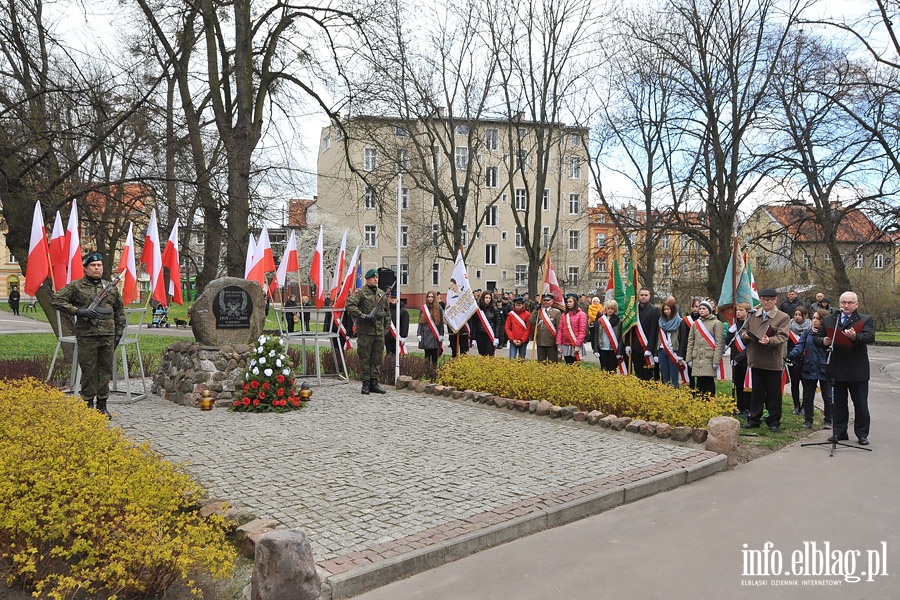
{"type": "Point", "coordinates": [268, 384]}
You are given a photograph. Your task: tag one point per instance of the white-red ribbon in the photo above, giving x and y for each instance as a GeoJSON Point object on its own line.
{"type": "Point", "coordinates": [548, 322]}
{"type": "Point", "coordinates": [667, 346]}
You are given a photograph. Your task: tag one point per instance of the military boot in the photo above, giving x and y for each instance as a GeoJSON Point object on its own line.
{"type": "Point", "coordinates": [365, 387]}
{"type": "Point", "coordinates": [90, 402]}
{"type": "Point", "coordinates": [375, 388]}
{"type": "Point", "coordinates": [101, 406]}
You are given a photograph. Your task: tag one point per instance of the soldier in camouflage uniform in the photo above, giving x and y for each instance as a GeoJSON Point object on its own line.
{"type": "Point", "coordinates": [98, 329]}
{"type": "Point", "coordinates": [370, 329]}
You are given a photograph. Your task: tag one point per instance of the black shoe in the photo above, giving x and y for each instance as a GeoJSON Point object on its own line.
{"type": "Point", "coordinates": [101, 406]}
{"type": "Point", "coordinates": [806, 425]}
{"type": "Point", "coordinates": [863, 441]}
{"type": "Point", "coordinates": [750, 426]}
{"type": "Point", "coordinates": [796, 410]}
{"type": "Point", "coordinates": [840, 438]}
{"type": "Point", "coordinates": [365, 388]}
{"type": "Point", "coordinates": [774, 429]}
{"type": "Point", "coordinates": [90, 402]}
{"type": "Point", "coordinates": [375, 388]}
{"type": "Point", "coordinates": [826, 425]}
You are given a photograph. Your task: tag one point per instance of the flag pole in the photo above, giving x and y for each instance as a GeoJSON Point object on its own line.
{"type": "Point", "coordinates": [540, 293]}
{"type": "Point", "coordinates": [397, 286]}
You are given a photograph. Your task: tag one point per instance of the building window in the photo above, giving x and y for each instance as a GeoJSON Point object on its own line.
{"type": "Point", "coordinates": [520, 202]}
{"type": "Point", "coordinates": [436, 157]}
{"type": "Point", "coordinates": [878, 262]}
{"type": "Point", "coordinates": [462, 157]}
{"type": "Point", "coordinates": [404, 274]}
{"type": "Point", "coordinates": [491, 139]}
{"type": "Point", "coordinates": [404, 236]}
{"type": "Point", "coordinates": [404, 198]}
{"type": "Point", "coordinates": [521, 160]}
{"type": "Point", "coordinates": [326, 143]}
{"type": "Point", "coordinates": [632, 240]}
{"type": "Point", "coordinates": [684, 243]}
{"type": "Point", "coordinates": [465, 235]}
{"type": "Point", "coordinates": [521, 275]}
{"type": "Point", "coordinates": [666, 242]}
{"type": "Point", "coordinates": [545, 201]}
{"type": "Point", "coordinates": [370, 159]}
{"type": "Point", "coordinates": [574, 167]}
{"type": "Point", "coordinates": [574, 239]}
{"type": "Point", "coordinates": [601, 218]}
{"type": "Point", "coordinates": [599, 264]}
{"type": "Point", "coordinates": [491, 177]}
{"type": "Point", "coordinates": [807, 261]}
{"type": "Point", "coordinates": [574, 204]}
{"type": "Point", "coordinates": [435, 274]}
{"type": "Point", "coordinates": [666, 268]}
{"type": "Point", "coordinates": [520, 238]}
{"type": "Point", "coordinates": [370, 198]}
{"type": "Point", "coordinates": [574, 140]}
{"type": "Point", "coordinates": [401, 132]}
{"type": "Point", "coordinates": [858, 261]}
{"type": "Point", "coordinates": [402, 159]}
{"type": "Point", "coordinates": [371, 236]}
{"type": "Point", "coordinates": [827, 257]}
{"type": "Point", "coordinates": [462, 130]}
{"type": "Point", "coordinates": [12, 259]}
{"type": "Point", "coordinates": [573, 276]}
{"type": "Point", "coordinates": [199, 237]}
{"type": "Point", "coordinates": [490, 216]}
{"type": "Point", "coordinates": [435, 234]}
{"type": "Point", "coordinates": [522, 133]}
{"type": "Point", "coordinates": [490, 254]}
{"type": "Point", "coordinates": [600, 240]}
{"type": "Point", "coordinates": [545, 236]}
{"type": "Point", "coordinates": [684, 266]}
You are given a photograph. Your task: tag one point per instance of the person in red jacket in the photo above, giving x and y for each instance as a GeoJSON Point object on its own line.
{"type": "Point", "coordinates": [572, 331]}
{"type": "Point", "coordinates": [518, 329]}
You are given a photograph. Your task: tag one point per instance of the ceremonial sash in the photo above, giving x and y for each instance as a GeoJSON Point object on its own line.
{"type": "Point", "coordinates": [748, 380]}
{"type": "Point", "coordinates": [706, 335]}
{"type": "Point", "coordinates": [402, 341]}
{"type": "Point", "coordinates": [613, 342]}
{"type": "Point", "coordinates": [548, 322]}
{"type": "Point", "coordinates": [785, 377]}
{"type": "Point", "coordinates": [642, 338]}
{"type": "Point", "coordinates": [739, 343]}
{"type": "Point", "coordinates": [690, 321]}
{"type": "Point", "coordinates": [515, 315]}
{"type": "Point", "coordinates": [793, 336]}
{"type": "Point", "coordinates": [486, 325]}
{"type": "Point", "coordinates": [667, 346]}
{"type": "Point", "coordinates": [431, 325]}
{"type": "Point", "coordinates": [571, 331]}
{"type": "Point", "coordinates": [336, 316]}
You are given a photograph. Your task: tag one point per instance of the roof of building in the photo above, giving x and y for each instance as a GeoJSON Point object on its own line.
{"type": "Point", "coordinates": [799, 222]}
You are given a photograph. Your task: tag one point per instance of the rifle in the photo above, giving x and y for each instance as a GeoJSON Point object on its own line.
{"type": "Point", "coordinates": [378, 304]}
{"type": "Point", "coordinates": [103, 293]}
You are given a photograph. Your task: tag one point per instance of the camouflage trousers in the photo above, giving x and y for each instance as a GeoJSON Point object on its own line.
{"type": "Point", "coordinates": [370, 349]}
{"type": "Point", "coordinates": [95, 357]}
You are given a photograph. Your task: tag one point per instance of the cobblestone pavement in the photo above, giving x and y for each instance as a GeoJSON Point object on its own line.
{"type": "Point", "coordinates": [369, 477]}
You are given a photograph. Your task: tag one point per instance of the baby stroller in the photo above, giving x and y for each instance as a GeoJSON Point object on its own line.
{"type": "Point", "coordinates": [160, 317]}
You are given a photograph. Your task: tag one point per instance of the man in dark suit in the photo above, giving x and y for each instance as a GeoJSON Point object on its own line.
{"type": "Point", "coordinates": [848, 333]}
{"type": "Point", "coordinates": [642, 362]}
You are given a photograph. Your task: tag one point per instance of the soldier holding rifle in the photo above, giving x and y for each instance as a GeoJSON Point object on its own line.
{"type": "Point", "coordinates": [368, 306]}
{"type": "Point", "coordinates": [99, 326]}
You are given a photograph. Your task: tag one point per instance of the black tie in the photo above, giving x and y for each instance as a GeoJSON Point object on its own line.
{"type": "Point", "coordinates": [843, 320]}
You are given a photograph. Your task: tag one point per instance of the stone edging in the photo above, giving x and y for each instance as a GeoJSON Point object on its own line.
{"type": "Point", "coordinates": [540, 408]}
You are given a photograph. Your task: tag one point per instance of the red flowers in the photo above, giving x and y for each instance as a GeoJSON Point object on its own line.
{"type": "Point", "coordinates": [254, 384]}
{"type": "Point", "coordinates": [280, 392]}
{"type": "Point", "coordinates": [256, 403]}
{"type": "Point", "coordinates": [266, 385]}
{"type": "Point", "coordinates": [280, 378]}
{"type": "Point", "coordinates": [246, 401]}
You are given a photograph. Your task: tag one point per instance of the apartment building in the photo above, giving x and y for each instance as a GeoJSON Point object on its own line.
{"type": "Point", "coordinates": [371, 168]}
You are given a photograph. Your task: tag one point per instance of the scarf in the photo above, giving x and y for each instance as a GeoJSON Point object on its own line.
{"type": "Point", "coordinates": [671, 324]}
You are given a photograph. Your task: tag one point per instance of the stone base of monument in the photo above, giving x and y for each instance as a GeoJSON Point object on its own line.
{"type": "Point", "coordinates": [186, 369]}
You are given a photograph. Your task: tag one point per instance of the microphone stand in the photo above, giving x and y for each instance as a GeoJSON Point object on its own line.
{"type": "Point", "coordinates": [834, 443]}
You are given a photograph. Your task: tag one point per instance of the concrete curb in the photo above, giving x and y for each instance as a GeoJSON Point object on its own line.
{"type": "Point", "coordinates": [352, 583]}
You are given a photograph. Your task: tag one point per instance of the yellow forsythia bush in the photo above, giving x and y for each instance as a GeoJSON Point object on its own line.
{"type": "Point", "coordinates": [84, 509]}
{"type": "Point", "coordinates": [587, 388]}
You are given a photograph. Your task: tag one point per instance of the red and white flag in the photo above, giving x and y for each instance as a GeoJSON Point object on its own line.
{"type": "Point", "coordinates": [251, 256]}
{"type": "Point", "coordinates": [74, 268]}
{"type": "Point", "coordinates": [127, 266]}
{"type": "Point", "coordinates": [348, 283]}
{"type": "Point", "coordinates": [171, 261]}
{"type": "Point", "coordinates": [290, 262]}
{"type": "Point", "coordinates": [151, 258]}
{"type": "Point", "coordinates": [317, 271]}
{"type": "Point", "coordinates": [551, 283]}
{"type": "Point", "coordinates": [610, 288]}
{"type": "Point", "coordinates": [338, 269]}
{"type": "Point", "coordinates": [38, 268]}
{"type": "Point", "coordinates": [58, 253]}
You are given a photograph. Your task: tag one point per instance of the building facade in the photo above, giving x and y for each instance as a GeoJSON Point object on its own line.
{"type": "Point", "coordinates": [369, 169]}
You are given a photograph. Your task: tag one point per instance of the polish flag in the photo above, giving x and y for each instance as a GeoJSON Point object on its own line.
{"type": "Point", "coordinates": [127, 266]}
{"type": "Point", "coordinates": [171, 261]}
{"type": "Point", "coordinates": [317, 271]}
{"type": "Point", "coordinates": [338, 269]}
{"type": "Point", "coordinates": [341, 300]}
{"type": "Point", "coordinates": [263, 261]}
{"type": "Point", "coordinates": [152, 260]}
{"type": "Point", "coordinates": [551, 283]}
{"type": "Point", "coordinates": [38, 254]}
{"type": "Point", "coordinates": [610, 287]}
{"type": "Point", "coordinates": [58, 254]}
{"type": "Point", "coordinates": [74, 268]}
{"type": "Point", "coordinates": [290, 262]}
{"type": "Point", "coordinates": [251, 252]}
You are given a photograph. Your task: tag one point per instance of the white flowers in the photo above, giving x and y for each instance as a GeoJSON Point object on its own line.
{"type": "Point", "coordinates": [255, 371]}
{"type": "Point", "coordinates": [286, 372]}
{"type": "Point", "coordinates": [271, 353]}
{"type": "Point", "coordinates": [278, 362]}
{"type": "Point", "coordinates": [268, 372]}
{"type": "Point", "coordinates": [262, 360]}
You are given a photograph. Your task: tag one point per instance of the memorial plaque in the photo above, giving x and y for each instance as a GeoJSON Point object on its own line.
{"type": "Point", "coordinates": [232, 308]}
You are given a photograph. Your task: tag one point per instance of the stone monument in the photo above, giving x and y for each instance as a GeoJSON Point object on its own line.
{"type": "Point", "coordinates": [229, 311]}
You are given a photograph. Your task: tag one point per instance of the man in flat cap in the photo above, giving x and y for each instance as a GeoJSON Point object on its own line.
{"type": "Point", "coordinates": [766, 336]}
{"type": "Point", "coordinates": [368, 305]}
{"type": "Point", "coordinates": [545, 323]}
{"type": "Point", "coordinates": [99, 325]}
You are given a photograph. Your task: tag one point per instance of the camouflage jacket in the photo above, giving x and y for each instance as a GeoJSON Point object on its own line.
{"type": "Point", "coordinates": [79, 294]}
{"type": "Point", "coordinates": [361, 302]}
